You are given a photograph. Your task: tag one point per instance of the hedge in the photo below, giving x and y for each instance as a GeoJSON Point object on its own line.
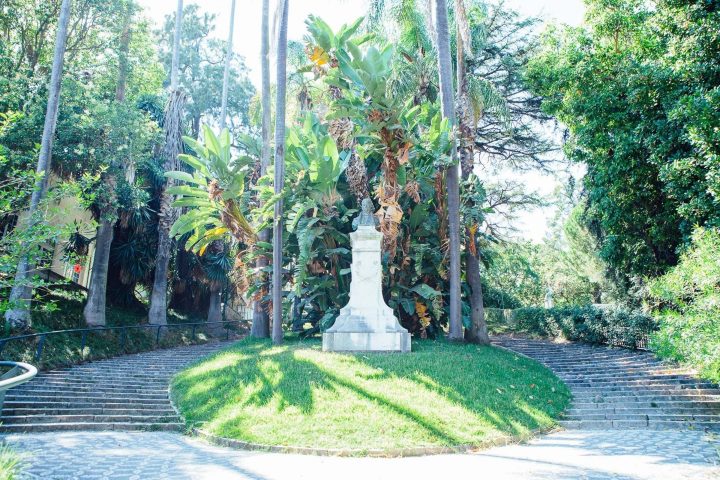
{"type": "Point", "coordinates": [611, 326]}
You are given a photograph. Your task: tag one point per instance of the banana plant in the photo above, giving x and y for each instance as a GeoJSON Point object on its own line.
{"type": "Point", "coordinates": [212, 194]}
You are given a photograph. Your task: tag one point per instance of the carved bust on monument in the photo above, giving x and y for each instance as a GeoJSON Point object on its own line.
{"type": "Point", "coordinates": [366, 323]}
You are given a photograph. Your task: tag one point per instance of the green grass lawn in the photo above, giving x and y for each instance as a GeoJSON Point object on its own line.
{"type": "Point", "coordinates": [442, 394]}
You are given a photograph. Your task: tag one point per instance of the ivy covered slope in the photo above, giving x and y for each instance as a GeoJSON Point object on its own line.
{"type": "Point", "coordinates": [296, 395]}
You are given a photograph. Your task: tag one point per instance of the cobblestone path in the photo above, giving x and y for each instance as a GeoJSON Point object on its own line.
{"type": "Point", "coordinates": [572, 454]}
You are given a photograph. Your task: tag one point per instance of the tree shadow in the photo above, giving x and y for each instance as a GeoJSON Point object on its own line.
{"type": "Point", "coordinates": [254, 373]}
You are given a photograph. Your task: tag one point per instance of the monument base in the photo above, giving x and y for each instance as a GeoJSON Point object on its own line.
{"type": "Point", "coordinates": [366, 342]}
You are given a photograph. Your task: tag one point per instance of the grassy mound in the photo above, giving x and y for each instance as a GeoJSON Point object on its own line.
{"type": "Point", "coordinates": [442, 394]}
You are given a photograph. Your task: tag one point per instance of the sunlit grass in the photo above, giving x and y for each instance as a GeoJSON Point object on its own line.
{"type": "Point", "coordinates": [441, 394]}
{"type": "Point", "coordinates": [9, 463]}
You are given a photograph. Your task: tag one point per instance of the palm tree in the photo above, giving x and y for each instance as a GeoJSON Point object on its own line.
{"type": "Point", "coordinates": [172, 148]}
{"type": "Point", "coordinates": [20, 295]}
{"type": "Point", "coordinates": [261, 320]}
{"type": "Point", "coordinates": [277, 332]}
{"type": "Point", "coordinates": [94, 311]}
{"type": "Point", "coordinates": [452, 177]}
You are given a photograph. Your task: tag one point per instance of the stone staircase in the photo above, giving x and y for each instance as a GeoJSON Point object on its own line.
{"type": "Point", "coordinates": [122, 393]}
{"type": "Point", "coordinates": [619, 388]}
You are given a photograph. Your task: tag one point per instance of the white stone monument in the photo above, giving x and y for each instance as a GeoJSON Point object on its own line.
{"type": "Point", "coordinates": [366, 323]}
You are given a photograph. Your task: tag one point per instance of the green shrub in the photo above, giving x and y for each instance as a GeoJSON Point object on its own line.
{"type": "Point", "coordinates": [617, 326]}
{"type": "Point", "coordinates": [9, 463]}
{"type": "Point", "coordinates": [687, 304]}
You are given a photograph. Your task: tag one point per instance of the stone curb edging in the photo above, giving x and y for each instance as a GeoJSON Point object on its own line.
{"type": "Point", "coordinates": [376, 453]}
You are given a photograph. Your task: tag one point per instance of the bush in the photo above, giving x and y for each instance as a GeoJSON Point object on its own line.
{"type": "Point", "coordinates": [617, 326]}
{"type": "Point", "coordinates": [687, 303]}
{"type": "Point", "coordinates": [496, 298]}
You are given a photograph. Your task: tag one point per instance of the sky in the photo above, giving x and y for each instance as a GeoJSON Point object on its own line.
{"type": "Point", "coordinates": [532, 225]}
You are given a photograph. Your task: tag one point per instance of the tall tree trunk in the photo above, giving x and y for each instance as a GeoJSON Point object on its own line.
{"type": "Point", "coordinates": [478, 331]}
{"type": "Point", "coordinates": [261, 320]}
{"type": "Point", "coordinates": [452, 178]}
{"type": "Point", "coordinates": [214, 310]}
{"type": "Point", "coordinates": [94, 311]}
{"type": "Point", "coordinates": [21, 294]}
{"type": "Point", "coordinates": [277, 332]}
{"type": "Point", "coordinates": [173, 147]}
{"type": "Point", "coordinates": [177, 34]}
{"type": "Point", "coordinates": [226, 73]}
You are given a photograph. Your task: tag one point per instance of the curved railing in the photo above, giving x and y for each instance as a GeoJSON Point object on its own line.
{"type": "Point", "coordinates": [84, 332]}
{"type": "Point", "coordinates": [11, 378]}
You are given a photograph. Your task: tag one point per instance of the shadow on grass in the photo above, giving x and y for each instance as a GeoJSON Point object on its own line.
{"type": "Point", "coordinates": [496, 392]}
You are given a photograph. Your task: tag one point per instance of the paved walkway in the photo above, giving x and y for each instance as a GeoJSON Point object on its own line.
{"type": "Point", "coordinates": [572, 454]}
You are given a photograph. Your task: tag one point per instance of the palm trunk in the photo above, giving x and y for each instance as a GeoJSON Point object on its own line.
{"type": "Point", "coordinates": [451, 175]}
{"type": "Point", "coordinates": [277, 332]}
{"type": "Point", "coordinates": [21, 294]}
{"type": "Point", "coordinates": [261, 320]}
{"type": "Point", "coordinates": [173, 146]}
{"type": "Point", "coordinates": [226, 73]}
{"type": "Point", "coordinates": [478, 331]}
{"type": "Point", "coordinates": [94, 311]}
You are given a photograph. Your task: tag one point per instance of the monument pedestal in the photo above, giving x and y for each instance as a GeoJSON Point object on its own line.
{"type": "Point", "coordinates": [366, 323]}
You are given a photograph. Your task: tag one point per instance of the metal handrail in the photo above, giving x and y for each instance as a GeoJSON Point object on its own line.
{"type": "Point", "coordinates": [9, 380]}
{"type": "Point", "coordinates": [124, 328]}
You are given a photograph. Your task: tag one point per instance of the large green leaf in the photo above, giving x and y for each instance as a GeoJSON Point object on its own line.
{"type": "Point", "coordinates": [425, 291]}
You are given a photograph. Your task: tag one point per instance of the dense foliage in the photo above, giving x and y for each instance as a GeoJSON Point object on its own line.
{"type": "Point", "coordinates": [687, 303]}
{"type": "Point", "coordinates": [106, 150]}
{"type": "Point", "coordinates": [638, 87]}
{"type": "Point", "coordinates": [617, 326]}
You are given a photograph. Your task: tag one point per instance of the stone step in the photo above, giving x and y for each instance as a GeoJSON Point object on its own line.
{"type": "Point", "coordinates": [82, 404]}
{"type": "Point", "coordinates": [35, 419]}
{"type": "Point", "coordinates": [654, 425]}
{"type": "Point", "coordinates": [689, 410]}
{"type": "Point", "coordinates": [74, 400]}
{"type": "Point", "coordinates": [669, 377]}
{"type": "Point", "coordinates": [618, 388]}
{"type": "Point", "coordinates": [645, 418]}
{"type": "Point", "coordinates": [94, 381]}
{"type": "Point", "coordinates": [92, 394]}
{"type": "Point", "coordinates": [644, 390]}
{"type": "Point", "coordinates": [83, 426]}
{"type": "Point", "coordinates": [28, 389]}
{"type": "Point", "coordinates": [644, 398]}
{"type": "Point", "coordinates": [50, 410]}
